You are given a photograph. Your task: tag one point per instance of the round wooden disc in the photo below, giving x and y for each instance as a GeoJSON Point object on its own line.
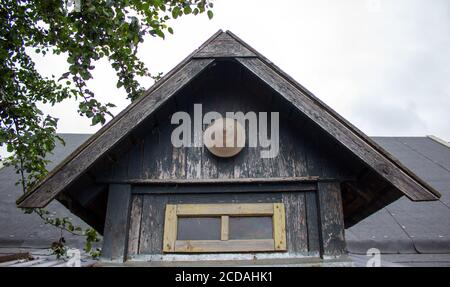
{"type": "Point", "coordinates": [225, 137]}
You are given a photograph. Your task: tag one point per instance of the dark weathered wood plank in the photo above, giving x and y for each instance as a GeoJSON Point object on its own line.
{"type": "Point", "coordinates": [193, 153]}
{"type": "Point", "coordinates": [343, 132]}
{"type": "Point", "coordinates": [225, 188]}
{"type": "Point", "coordinates": [227, 181]}
{"type": "Point", "coordinates": [225, 198]}
{"type": "Point", "coordinates": [331, 218]}
{"type": "Point", "coordinates": [136, 157]}
{"type": "Point", "coordinates": [299, 151]}
{"type": "Point", "coordinates": [135, 225]}
{"type": "Point", "coordinates": [312, 221]}
{"type": "Point", "coordinates": [150, 149]}
{"type": "Point", "coordinates": [68, 172]}
{"type": "Point", "coordinates": [152, 226]}
{"type": "Point", "coordinates": [297, 232]}
{"type": "Point", "coordinates": [167, 158]}
{"type": "Point", "coordinates": [116, 225]}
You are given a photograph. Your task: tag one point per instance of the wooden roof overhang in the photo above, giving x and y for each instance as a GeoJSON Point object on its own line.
{"type": "Point", "coordinates": [226, 45]}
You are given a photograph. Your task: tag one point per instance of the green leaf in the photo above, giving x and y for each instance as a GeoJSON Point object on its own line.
{"type": "Point", "coordinates": [187, 10]}
{"type": "Point", "coordinates": [98, 118]}
{"type": "Point", "coordinates": [170, 30]}
{"type": "Point", "coordinates": [210, 14]}
{"type": "Point", "coordinates": [160, 33]}
{"type": "Point", "coordinates": [176, 12]}
{"type": "Point", "coordinates": [85, 75]}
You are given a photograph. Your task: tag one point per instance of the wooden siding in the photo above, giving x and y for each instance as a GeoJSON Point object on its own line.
{"type": "Point", "coordinates": [149, 154]}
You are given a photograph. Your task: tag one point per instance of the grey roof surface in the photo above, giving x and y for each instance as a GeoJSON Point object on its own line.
{"type": "Point", "coordinates": [405, 226]}
{"type": "Point", "coordinates": [28, 230]}
{"type": "Point", "coordinates": [402, 227]}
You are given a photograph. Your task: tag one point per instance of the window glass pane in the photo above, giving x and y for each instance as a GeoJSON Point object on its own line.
{"type": "Point", "coordinates": [251, 227]}
{"type": "Point", "coordinates": [199, 228]}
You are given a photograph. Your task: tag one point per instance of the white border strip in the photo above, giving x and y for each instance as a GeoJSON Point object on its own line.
{"type": "Point", "coordinates": [439, 140]}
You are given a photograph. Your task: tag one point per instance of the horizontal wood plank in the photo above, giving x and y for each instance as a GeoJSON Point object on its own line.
{"type": "Point", "coordinates": [272, 185]}
{"type": "Point", "coordinates": [199, 246]}
{"type": "Point", "coordinates": [304, 179]}
{"type": "Point", "coordinates": [259, 209]}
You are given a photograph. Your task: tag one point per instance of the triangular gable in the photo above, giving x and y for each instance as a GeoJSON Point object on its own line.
{"type": "Point", "coordinates": [224, 46]}
{"type": "Point", "coordinates": [220, 45]}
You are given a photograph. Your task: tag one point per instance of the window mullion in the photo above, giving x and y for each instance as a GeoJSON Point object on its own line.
{"type": "Point", "coordinates": [225, 227]}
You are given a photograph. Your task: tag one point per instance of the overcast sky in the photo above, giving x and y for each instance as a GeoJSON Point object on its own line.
{"type": "Point", "coordinates": [384, 65]}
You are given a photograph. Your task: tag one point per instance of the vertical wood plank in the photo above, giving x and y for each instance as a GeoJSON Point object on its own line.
{"type": "Point", "coordinates": [243, 161]}
{"type": "Point", "coordinates": [312, 222]}
{"type": "Point", "coordinates": [282, 163]}
{"type": "Point", "coordinates": [165, 165]}
{"type": "Point", "coordinates": [116, 223]}
{"type": "Point", "coordinates": [152, 226]}
{"type": "Point", "coordinates": [170, 228]}
{"type": "Point", "coordinates": [120, 166]}
{"type": "Point", "coordinates": [225, 227]}
{"type": "Point", "coordinates": [298, 142]}
{"type": "Point", "coordinates": [135, 225]}
{"type": "Point", "coordinates": [150, 149]}
{"type": "Point", "coordinates": [178, 162]}
{"type": "Point", "coordinates": [331, 218]}
{"type": "Point", "coordinates": [194, 162]}
{"type": "Point", "coordinates": [178, 153]}
{"type": "Point", "coordinates": [312, 150]}
{"type": "Point", "coordinates": [297, 233]}
{"type": "Point", "coordinates": [279, 226]}
{"type": "Point", "coordinates": [136, 156]}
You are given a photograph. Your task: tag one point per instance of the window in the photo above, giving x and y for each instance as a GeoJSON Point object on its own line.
{"type": "Point", "coordinates": [204, 228]}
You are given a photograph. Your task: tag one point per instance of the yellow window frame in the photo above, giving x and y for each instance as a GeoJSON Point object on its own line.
{"type": "Point", "coordinates": [173, 211]}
